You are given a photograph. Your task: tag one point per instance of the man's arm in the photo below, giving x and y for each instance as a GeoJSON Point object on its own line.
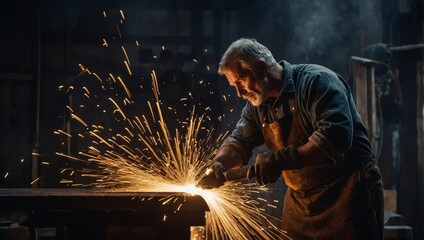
{"type": "Point", "coordinates": [311, 154]}
{"type": "Point", "coordinates": [269, 166]}
{"type": "Point", "coordinates": [229, 156]}
{"type": "Point", "coordinates": [330, 114]}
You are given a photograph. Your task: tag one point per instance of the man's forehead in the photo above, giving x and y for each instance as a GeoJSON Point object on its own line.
{"type": "Point", "coordinates": [235, 70]}
{"type": "Point", "coordinates": [231, 74]}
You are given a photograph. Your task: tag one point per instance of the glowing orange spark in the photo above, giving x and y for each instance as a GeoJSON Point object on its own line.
{"type": "Point", "coordinates": [105, 43]}
{"type": "Point", "coordinates": [119, 31]}
{"type": "Point", "coordinates": [35, 180]}
{"type": "Point", "coordinates": [98, 78]}
{"type": "Point", "coordinates": [126, 55]}
{"type": "Point", "coordinates": [122, 14]}
{"type": "Point", "coordinates": [79, 119]}
{"type": "Point", "coordinates": [118, 108]}
{"type": "Point", "coordinates": [64, 133]}
{"type": "Point", "coordinates": [36, 154]}
{"type": "Point", "coordinates": [69, 157]}
{"type": "Point", "coordinates": [124, 86]}
{"type": "Point", "coordinates": [128, 68]}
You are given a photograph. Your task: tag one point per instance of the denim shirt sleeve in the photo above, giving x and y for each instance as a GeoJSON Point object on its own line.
{"type": "Point", "coordinates": [327, 105]}
{"type": "Point", "coordinates": [247, 134]}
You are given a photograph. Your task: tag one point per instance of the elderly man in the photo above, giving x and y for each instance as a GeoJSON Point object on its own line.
{"type": "Point", "coordinates": [306, 116]}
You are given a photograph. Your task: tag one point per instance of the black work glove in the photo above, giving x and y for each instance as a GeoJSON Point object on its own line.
{"type": "Point", "coordinates": [268, 166]}
{"type": "Point", "coordinates": [214, 176]}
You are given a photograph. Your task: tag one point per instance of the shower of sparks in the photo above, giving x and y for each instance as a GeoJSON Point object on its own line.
{"type": "Point", "coordinates": [175, 165]}
{"type": "Point", "coordinates": [141, 154]}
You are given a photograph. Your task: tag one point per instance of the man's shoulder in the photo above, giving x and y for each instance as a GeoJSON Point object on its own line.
{"type": "Point", "coordinates": [308, 73]}
{"type": "Point", "coordinates": [312, 68]}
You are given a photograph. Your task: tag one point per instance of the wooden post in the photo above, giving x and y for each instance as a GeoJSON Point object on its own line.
{"type": "Point", "coordinates": [420, 144]}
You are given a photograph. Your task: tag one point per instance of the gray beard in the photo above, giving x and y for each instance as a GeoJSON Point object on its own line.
{"type": "Point", "coordinates": [260, 95]}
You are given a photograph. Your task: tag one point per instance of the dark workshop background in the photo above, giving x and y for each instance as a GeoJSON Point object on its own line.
{"type": "Point", "coordinates": [44, 41]}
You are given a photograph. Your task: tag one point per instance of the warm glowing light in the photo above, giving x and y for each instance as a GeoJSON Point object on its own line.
{"type": "Point", "coordinates": [233, 213]}
{"type": "Point", "coordinates": [191, 189]}
{"type": "Point", "coordinates": [142, 154]}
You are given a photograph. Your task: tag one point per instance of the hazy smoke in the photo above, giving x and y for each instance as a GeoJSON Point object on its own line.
{"type": "Point", "coordinates": [315, 31]}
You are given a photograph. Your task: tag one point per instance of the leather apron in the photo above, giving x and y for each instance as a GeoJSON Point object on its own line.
{"type": "Point", "coordinates": [327, 200]}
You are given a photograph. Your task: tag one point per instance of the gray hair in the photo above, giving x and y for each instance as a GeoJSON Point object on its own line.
{"type": "Point", "coordinates": [245, 52]}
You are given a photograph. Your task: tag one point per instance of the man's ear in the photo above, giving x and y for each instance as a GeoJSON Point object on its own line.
{"type": "Point", "coordinates": [261, 66]}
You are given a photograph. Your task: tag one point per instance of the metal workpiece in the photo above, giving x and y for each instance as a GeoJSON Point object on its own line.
{"type": "Point", "coordinates": [99, 209]}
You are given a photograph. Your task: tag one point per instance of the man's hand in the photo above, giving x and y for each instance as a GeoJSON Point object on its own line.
{"type": "Point", "coordinates": [214, 176]}
{"type": "Point", "coordinates": [266, 169]}
{"type": "Point", "coordinates": [268, 166]}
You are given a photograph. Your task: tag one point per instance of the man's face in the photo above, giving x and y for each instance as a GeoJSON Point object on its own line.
{"type": "Point", "coordinates": [248, 86]}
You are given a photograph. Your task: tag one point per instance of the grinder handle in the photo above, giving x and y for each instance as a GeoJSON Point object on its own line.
{"type": "Point", "coordinates": [236, 174]}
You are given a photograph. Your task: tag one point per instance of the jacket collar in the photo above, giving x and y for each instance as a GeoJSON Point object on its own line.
{"type": "Point", "coordinates": [288, 82]}
{"type": "Point", "coordinates": [287, 86]}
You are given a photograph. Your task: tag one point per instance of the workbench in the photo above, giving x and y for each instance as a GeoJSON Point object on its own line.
{"type": "Point", "coordinates": [92, 214]}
